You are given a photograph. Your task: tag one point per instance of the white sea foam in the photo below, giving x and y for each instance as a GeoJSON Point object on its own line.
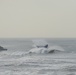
{"type": "Point", "coordinates": [40, 47]}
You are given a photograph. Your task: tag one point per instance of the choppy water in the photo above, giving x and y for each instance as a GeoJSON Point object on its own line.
{"type": "Point", "coordinates": [15, 61]}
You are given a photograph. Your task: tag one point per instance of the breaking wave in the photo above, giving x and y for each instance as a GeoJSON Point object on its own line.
{"type": "Point", "coordinates": [41, 46]}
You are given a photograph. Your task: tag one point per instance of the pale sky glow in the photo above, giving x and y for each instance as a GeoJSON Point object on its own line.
{"type": "Point", "coordinates": [38, 18]}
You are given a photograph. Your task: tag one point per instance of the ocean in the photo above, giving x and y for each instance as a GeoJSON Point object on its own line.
{"type": "Point", "coordinates": [16, 60]}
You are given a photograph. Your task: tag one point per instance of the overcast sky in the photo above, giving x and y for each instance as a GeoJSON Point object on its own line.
{"type": "Point", "coordinates": [38, 18]}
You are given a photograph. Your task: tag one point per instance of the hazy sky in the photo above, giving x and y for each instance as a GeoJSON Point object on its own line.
{"type": "Point", "coordinates": [38, 18]}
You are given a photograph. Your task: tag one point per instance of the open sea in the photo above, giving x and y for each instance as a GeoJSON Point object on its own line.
{"type": "Point", "coordinates": [16, 61]}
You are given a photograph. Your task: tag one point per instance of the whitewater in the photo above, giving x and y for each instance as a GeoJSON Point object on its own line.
{"type": "Point", "coordinates": [17, 61]}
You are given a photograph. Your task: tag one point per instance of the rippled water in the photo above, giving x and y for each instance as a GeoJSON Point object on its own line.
{"type": "Point", "coordinates": [15, 61]}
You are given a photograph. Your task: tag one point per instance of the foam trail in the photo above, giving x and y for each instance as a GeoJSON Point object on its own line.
{"type": "Point", "coordinates": [58, 48]}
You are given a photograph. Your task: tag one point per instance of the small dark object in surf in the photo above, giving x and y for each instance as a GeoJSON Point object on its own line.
{"type": "Point", "coordinates": [52, 51]}
{"type": "Point", "coordinates": [2, 49]}
{"type": "Point", "coordinates": [46, 46]}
